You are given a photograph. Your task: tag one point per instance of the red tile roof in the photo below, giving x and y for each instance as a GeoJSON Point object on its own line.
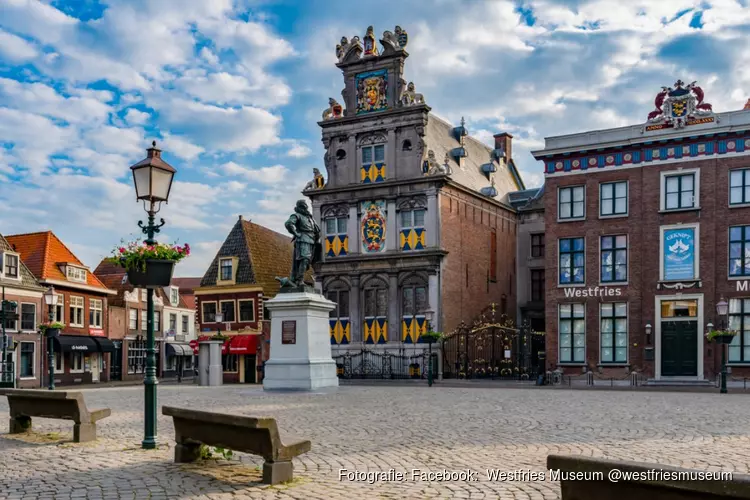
{"type": "Point", "coordinates": [43, 252]}
{"type": "Point", "coordinates": [186, 283]}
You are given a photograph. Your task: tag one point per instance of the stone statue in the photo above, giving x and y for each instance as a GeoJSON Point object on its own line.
{"type": "Point", "coordinates": [402, 37]}
{"type": "Point", "coordinates": [334, 110]}
{"type": "Point", "coordinates": [409, 97]}
{"type": "Point", "coordinates": [317, 181]}
{"type": "Point", "coordinates": [307, 246]}
{"type": "Point", "coordinates": [370, 48]}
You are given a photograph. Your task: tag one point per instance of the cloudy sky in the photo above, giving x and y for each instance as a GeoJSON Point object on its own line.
{"type": "Point", "coordinates": [232, 90]}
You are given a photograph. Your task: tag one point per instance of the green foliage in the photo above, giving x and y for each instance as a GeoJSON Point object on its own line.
{"type": "Point", "coordinates": [432, 336]}
{"type": "Point", "coordinates": [133, 255]}
{"type": "Point", "coordinates": [221, 337]}
{"type": "Point", "coordinates": [716, 333]}
{"type": "Point", "coordinates": [208, 452]}
{"type": "Point", "coordinates": [56, 325]}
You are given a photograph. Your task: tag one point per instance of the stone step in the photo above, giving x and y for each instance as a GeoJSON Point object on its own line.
{"type": "Point", "coordinates": [679, 383]}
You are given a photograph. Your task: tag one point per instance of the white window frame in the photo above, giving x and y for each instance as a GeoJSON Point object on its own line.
{"type": "Point", "coordinates": [185, 326]}
{"type": "Point", "coordinates": [614, 215]}
{"type": "Point", "coordinates": [81, 307]}
{"type": "Point", "coordinates": [203, 315]}
{"type": "Point", "coordinates": [231, 268]}
{"type": "Point", "coordinates": [572, 334]}
{"type": "Point", "coordinates": [173, 315]}
{"type": "Point", "coordinates": [20, 317]}
{"type": "Point", "coordinates": [255, 313]}
{"type": "Point", "coordinates": [94, 306]}
{"type": "Point", "coordinates": [75, 273]}
{"type": "Point", "coordinates": [144, 320]}
{"type": "Point", "coordinates": [234, 305]}
{"type": "Point", "coordinates": [745, 175]}
{"type": "Point", "coordinates": [59, 309]}
{"type": "Point", "coordinates": [77, 355]}
{"type": "Point", "coordinates": [614, 334]}
{"type": "Point", "coordinates": [130, 318]}
{"type": "Point", "coordinates": [33, 360]}
{"type": "Point", "coordinates": [571, 188]}
{"type": "Point", "coordinates": [174, 296]}
{"type": "Point", "coordinates": [157, 321]}
{"type": "Point", "coordinates": [372, 147]}
{"type": "Point", "coordinates": [59, 362]}
{"type": "Point", "coordinates": [17, 323]}
{"type": "Point", "coordinates": [627, 263]}
{"type": "Point", "coordinates": [663, 188]}
{"type": "Point", "coordinates": [697, 264]}
{"type": "Point", "coordinates": [144, 295]}
{"type": "Point", "coordinates": [6, 254]}
{"type": "Point", "coordinates": [559, 254]}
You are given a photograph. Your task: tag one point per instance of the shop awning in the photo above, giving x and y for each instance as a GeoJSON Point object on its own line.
{"type": "Point", "coordinates": [75, 343]}
{"type": "Point", "coordinates": [105, 345]}
{"type": "Point", "coordinates": [178, 349]}
{"type": "Point", "coordinates": [243, 344]}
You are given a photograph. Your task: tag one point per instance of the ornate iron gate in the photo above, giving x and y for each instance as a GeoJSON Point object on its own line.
{"type": "Point", "coordinates": [397, 363]}
{"type": "Point", "coordinates": [492, 347]}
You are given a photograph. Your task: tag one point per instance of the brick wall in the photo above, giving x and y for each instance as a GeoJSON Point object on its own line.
{"type": "Point", "coordinates": [467, 223]}
{"type": "Point", "coordinates": [642, 225]}
{"type": "Point", "coordinates": [117, 322]}
{"type": "Point", "coordinates": [236, 325]}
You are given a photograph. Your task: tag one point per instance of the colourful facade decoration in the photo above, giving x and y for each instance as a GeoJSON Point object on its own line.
{"type": "Point", "coordinates": [374, 172]}
{"type": "Point", "coordinates": [372, 227]}
{"type": "Point", "coordinates": [376, 330]}
{"type": "Point", "coordinates": [412, 239]}
{"type": "Point", "coordinates": [336, 245]}
{"type": "Point", "coordinates": [372, 89]}
{"type": "Point", "coordinates": [412, 328]}
{"type": "Point", "coordinates": [340, 331]}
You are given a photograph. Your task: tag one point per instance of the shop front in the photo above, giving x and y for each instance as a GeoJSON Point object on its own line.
{"type": "Point", "coordinates": [238, 357]}
{"type": "Point", "coordinates": [178, 360]}
{"type": "Point", "coordinates": [81, 359]}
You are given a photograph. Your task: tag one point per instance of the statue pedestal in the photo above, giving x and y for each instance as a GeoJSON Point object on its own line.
{"type": "Point", "coordinates": [210, 369]}
{"type": "Point", "coordinates": [300, 357]}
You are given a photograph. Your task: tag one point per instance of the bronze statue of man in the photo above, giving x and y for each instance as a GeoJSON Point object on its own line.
{"type": "Point", "coordinates": [307, 247]}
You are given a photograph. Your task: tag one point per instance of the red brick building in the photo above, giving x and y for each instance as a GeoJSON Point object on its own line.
{"type": "Point", "coordinates": [647, 229]}
{"type": "Point", "coordinates": [236, 284]}
{"type": "Point", "coordinates": [82, 351]}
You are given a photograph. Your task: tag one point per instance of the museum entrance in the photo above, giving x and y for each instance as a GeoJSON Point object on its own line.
{"type": "Point", "coordinates": [679, 337]}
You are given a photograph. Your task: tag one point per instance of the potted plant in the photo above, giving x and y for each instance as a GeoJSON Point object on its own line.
{"type": "Point", "coordinates": [149, 266]}
{"type": "Point", "coordinates": [52, 330]}
{"type": "Point", "coordinates": [721, 336]}
{"type": "Point", "coordinates": [431, 337]}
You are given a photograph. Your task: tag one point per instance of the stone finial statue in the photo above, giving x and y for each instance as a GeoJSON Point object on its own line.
{"type": "Point", "coordinates": [747, 104]}
{"type": "Point", "coordinates": [410, 97]}
{"type": "Point", "coordinates": [402, 37]}
{"type": "Point", "coordinates": [390, 42]}
{"type": "Point", "coordinates": [430, 163]}
{"type": "Point", "coordinates": [317, 181]}
{"type": "Point", "coordinates": [370, 48]}
{"type": "Point", "coordinates": [341, 48]}
{"type": "Point", "coordinates": [334, 110]}
{"type": "Point", "coordinates": [307, 248]}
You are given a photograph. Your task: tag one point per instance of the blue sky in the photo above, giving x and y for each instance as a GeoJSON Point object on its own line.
{"type": "Point", "coordinates": [232, 91]}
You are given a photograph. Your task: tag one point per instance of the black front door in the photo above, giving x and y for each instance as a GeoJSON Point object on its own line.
{"type": "Point", "coordinates": [115, 362]}
{"type": "Point", "coordinates": [250, 370]}
{"type": "Point", "coordinates": [679, 348]}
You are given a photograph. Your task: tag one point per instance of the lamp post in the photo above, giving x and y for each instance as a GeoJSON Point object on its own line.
{"type": "Point", "coordinates": [722, 308]}
{"type": "Point", "coordinates": [648, 333]}
{"type": "Point", "coordinates": [152, 177]}
{"type": "Point", "coordinates": [7, 311]}
{"type": "Point", "coordinates": [219, 318]}
{"type": "Point", "coordinates": [428, 317]}
{"type": "Point", "coordinates": [50, 298]}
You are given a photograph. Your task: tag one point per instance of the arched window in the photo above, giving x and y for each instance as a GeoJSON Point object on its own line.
{"type": "Point", "coordinates": [375, 304]}
{"type": "Point", "coordinates": [414, 303]}
{"type": "Point", "coordinates": [338, 319]}
{"type": "Point", "coordinates": [406, 145]}
{"type": "Point", "coordinates": [340, 154]}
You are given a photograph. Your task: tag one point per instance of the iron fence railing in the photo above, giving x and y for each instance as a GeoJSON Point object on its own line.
{"type": "Point", "coordinates": [396, 363]}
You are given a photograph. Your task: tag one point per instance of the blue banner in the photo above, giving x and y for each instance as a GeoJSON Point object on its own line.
{"type": "Point", "coordinates": [679, 254]}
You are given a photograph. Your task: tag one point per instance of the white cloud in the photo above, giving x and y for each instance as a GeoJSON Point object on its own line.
{"type": "Point", "coordinates": [181, 147]}
{"type": "Point", "coordinates": [136, 117]}
{"type": "Point", "coordinates": [299, 151]}
{"type": "Point", "coordinates": [225, 88]}
{"type": "Point", "coordinates": [16, 49]}
{"type": "Point", "coordinates": [34, 137]}
{"type": "Point", "coordinates": [44, 100]}
{"type": "Point", "coordinates": [265, 175]}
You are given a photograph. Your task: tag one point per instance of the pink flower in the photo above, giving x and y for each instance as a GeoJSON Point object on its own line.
{"type": "Point", "coordinates": [122, 250]}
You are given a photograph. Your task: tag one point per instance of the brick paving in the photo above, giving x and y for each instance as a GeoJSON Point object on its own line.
{"type": "Point", "coordinates": [376, 428]}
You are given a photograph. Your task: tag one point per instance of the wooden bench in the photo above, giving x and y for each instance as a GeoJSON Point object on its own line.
{"type": "Point", "coordinates": [257, 436]}
{"type": "Point", "coordinates": [649, 483]}
{"type": "Point", "coordinates": [27, 403]}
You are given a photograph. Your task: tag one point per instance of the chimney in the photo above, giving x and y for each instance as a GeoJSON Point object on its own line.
{"type": "Point", "coordinates": [503, 143]}
{"type": "Point", "coordinates": [240, 216]}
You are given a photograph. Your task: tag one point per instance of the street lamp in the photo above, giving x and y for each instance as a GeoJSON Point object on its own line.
{"type": "Point", "coordinates": [50, 298]}
{"type": "Point", "coordinates": [648, 333]}
{"type": "Point", "coordinates": [722, 308]}
{"type": "Point", "coordinates": [428, 314]}
{"type": "Point", "coordinates": [219, 318]}
{"type": "Point", "coordinates": [152, 177]}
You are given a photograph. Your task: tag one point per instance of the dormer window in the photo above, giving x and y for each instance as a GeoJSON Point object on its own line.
{"type": "Point", "coordinates": [225, 269]}
{"type": "Point", "coordinates": [174, 296]}
{"type": "Point", "coordinates": [10, 265]}
{"type": "Point", "coordinates": [75, 273]}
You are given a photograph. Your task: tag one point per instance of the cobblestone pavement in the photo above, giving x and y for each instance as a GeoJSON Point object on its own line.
{"type": "Point", "coordinates": [376, 429]}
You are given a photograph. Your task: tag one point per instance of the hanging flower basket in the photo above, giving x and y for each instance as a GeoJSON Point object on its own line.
{"type": "Point", "coordinates": [149, 266]}
{"type": "Point", "coordinates": [51, 330]}
{"type": "Point", "coordinates": [721, 336]}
